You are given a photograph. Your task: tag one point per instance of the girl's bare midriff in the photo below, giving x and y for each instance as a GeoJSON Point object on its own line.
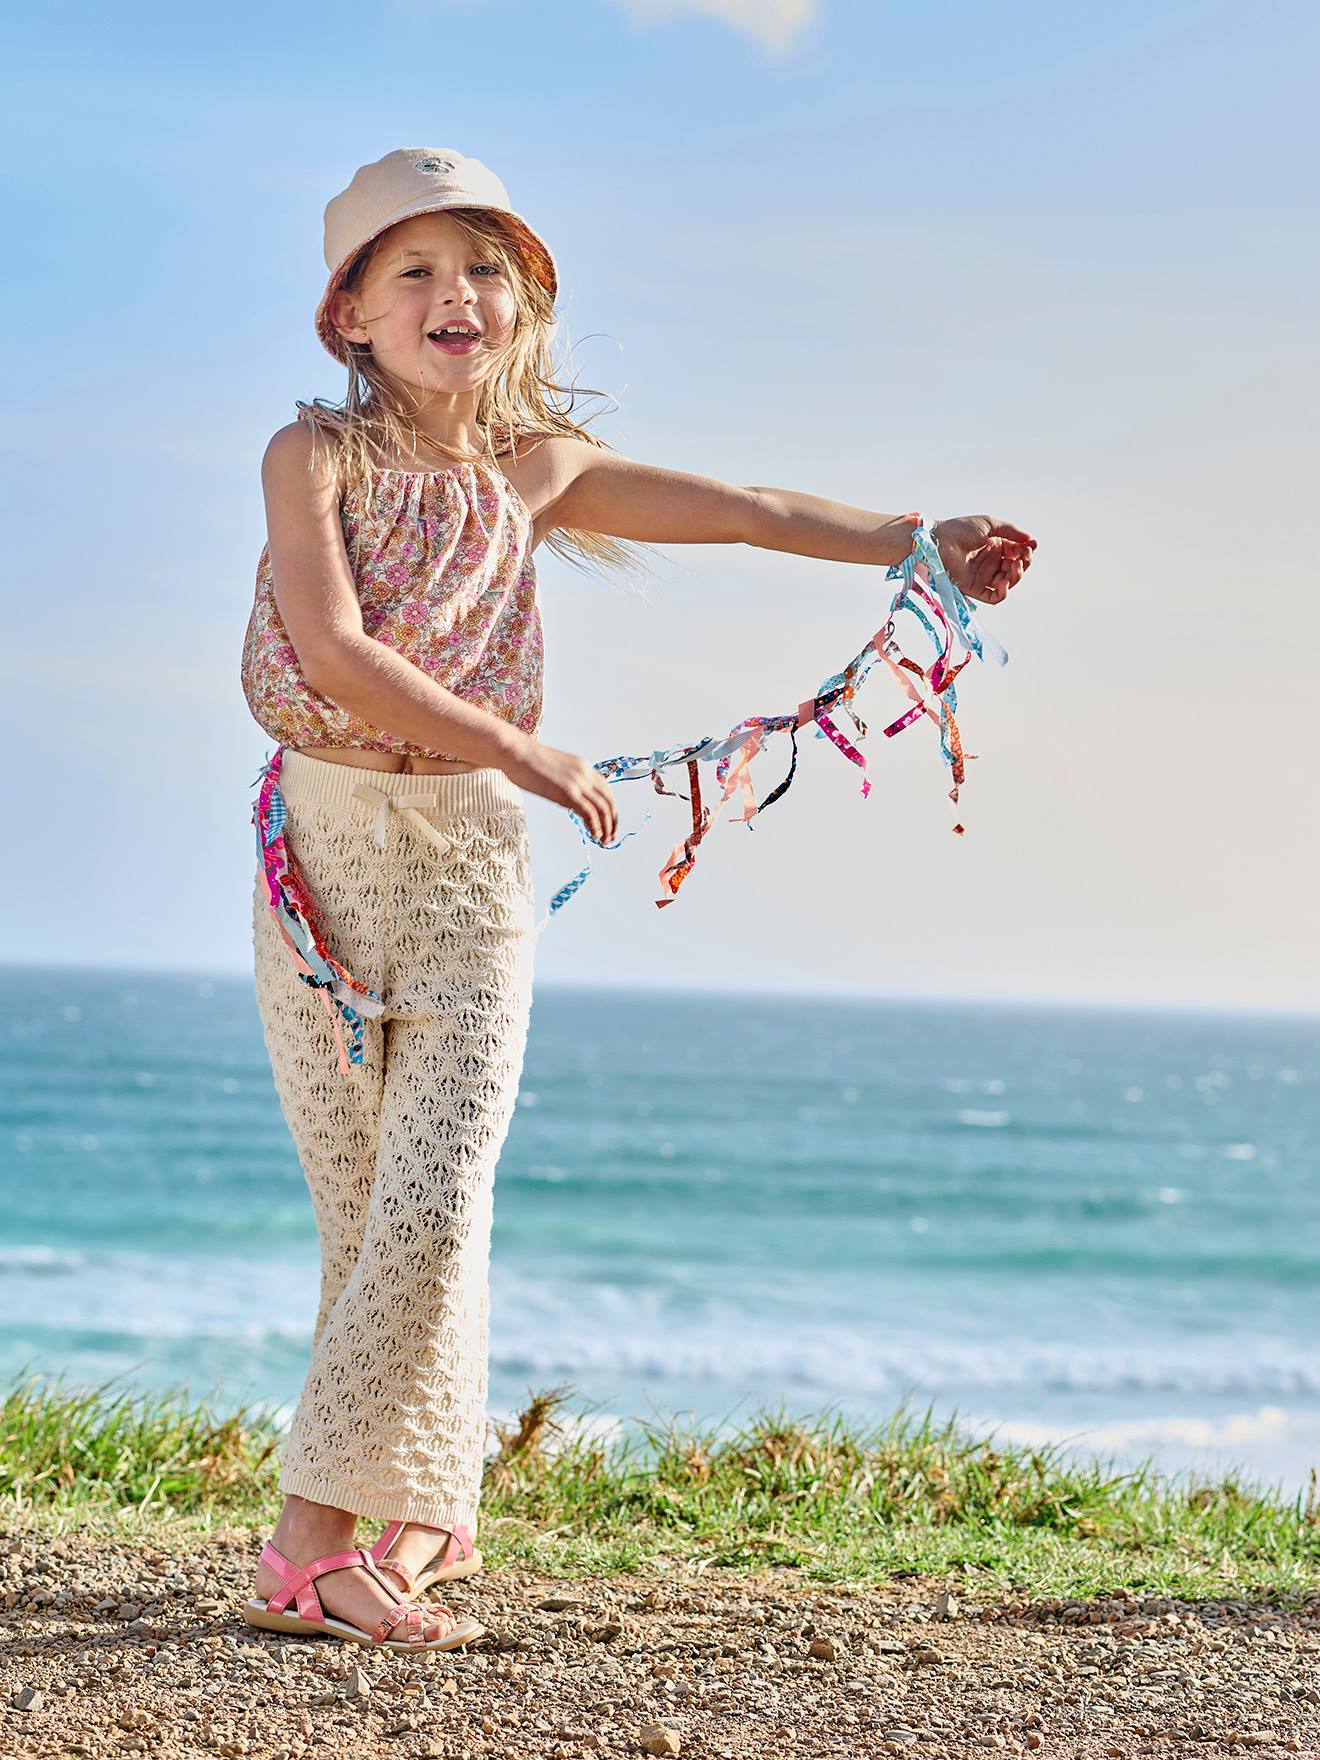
{"type": "Point", "coordinates": [366, 759]}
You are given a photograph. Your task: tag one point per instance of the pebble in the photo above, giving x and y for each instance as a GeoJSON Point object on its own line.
{"type": "Point", "coordinates": [30, 1699]}
{"type": "Point", "coordinates": [824, 1648]}
{"type": "Point", "coordinates": [655, 1738]}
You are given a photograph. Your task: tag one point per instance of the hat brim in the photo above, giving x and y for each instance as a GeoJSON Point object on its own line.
{"type": "Point", "coordinates": [534, 249]}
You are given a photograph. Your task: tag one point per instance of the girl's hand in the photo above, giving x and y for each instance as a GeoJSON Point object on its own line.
{"type": "Point", "coordinates": [984, 557]}
{"type": "Point", "coordinates": [568, 781]}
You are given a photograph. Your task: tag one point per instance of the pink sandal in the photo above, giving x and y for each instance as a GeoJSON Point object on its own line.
{"type": "Point", "coordinates": [311, 1619]}
{"type": "Point", "coordinates": [443, 1568]}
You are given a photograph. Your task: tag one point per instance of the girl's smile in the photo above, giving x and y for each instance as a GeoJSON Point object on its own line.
{"type": "Point", "coordinates": [450, 342]}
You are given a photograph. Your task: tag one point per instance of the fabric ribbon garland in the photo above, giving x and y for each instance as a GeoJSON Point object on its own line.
{"type": "Point", "coordinates": [940, 610]}
{"type": "Point", "coordinates": [927, 592]}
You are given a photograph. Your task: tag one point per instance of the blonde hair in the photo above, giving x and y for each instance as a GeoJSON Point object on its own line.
{"type": "Point", "coordinates": [518, 403]}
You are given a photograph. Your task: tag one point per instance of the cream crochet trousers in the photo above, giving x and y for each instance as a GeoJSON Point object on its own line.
{"type": "Point", "coordinates": [400, 1154]}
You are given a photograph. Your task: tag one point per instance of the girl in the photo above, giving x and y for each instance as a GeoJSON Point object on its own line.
{"type": "Point", "coordinates": [394, 653]}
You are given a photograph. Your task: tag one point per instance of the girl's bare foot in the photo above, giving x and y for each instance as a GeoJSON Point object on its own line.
{"type": "Point", "coordinates": [312, 1530]}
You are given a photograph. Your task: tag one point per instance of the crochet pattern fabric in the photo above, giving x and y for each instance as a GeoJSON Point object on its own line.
{"type": "Point", "coordinates": [400, 1156]}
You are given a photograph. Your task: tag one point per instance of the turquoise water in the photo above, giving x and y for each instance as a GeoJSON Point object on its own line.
{"type": "Point", "coordinates": [1086, 1225]}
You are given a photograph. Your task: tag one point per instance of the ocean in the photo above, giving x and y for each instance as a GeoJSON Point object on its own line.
{"type": "Point", "coordinates": [1090, 1226]}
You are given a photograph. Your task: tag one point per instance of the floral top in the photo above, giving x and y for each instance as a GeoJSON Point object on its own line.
{"type": "Point", "coordinates": [444, 572]}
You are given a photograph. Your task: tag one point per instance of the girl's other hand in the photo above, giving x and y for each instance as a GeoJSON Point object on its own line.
{"type": "Point", "coordinates": [567, 780]}
{"type": "Point", "coordinates": [984, 557]}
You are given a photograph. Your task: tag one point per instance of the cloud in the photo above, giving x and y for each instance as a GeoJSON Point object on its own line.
{"type": "Point", "coordinates": [776, 23]}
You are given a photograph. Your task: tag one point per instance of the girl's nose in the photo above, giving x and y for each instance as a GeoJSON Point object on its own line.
{"type": "Point", "coordinates": [460, 287]}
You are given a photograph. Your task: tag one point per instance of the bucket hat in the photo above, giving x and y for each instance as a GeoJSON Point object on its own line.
{"type": "Point", "coordinates": [408, 181]}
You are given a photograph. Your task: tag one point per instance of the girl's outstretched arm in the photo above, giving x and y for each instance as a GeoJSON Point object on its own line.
{"type": "Point", "coordinates": [601, 491]}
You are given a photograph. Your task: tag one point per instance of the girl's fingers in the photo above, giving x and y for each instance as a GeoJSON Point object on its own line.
{"type": "Point", "coordinates": [998, 564]}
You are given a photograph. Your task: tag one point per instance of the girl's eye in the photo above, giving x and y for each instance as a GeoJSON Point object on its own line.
{"type": "Point", "coordinates": [419, 270]}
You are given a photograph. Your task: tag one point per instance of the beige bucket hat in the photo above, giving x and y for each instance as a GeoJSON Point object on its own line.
{"type": "Point", "coordinates": [408, 181]}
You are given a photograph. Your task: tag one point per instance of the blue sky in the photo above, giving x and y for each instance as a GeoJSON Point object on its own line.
{"type": "Point", "coordinates": [1065, 262]}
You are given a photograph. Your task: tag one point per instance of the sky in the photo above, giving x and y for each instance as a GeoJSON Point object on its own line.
{"type": "Point", "coordinates": [1062, 268]}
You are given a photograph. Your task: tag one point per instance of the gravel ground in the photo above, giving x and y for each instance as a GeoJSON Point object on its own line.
{"type": "Point", "coordinates": [108, 1647]}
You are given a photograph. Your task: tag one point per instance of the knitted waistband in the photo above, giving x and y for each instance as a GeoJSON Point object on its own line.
{"type": "Point", "coordinates": [322, 782]}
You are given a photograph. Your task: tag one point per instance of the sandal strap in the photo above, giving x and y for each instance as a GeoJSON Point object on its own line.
{"type": "Point", "coordinates": [414, 1618]}
{"type": "Point", "coordinates": [402, 1572]}
{"type": "Point", "coordinates": [382, 1547]}
{"type": "Point", "coordinates": [388, 1537]}
{"type": "Point", "coordinates": [297, 1579]}
{"type": "Point", "coordinates": [460, 1538]}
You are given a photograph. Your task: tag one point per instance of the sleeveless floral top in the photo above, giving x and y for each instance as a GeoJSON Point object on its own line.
{"type": "Point", "coordinates": [444, 573]}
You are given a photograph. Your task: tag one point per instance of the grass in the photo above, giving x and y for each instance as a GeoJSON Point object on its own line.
{"type": "Point", "coordinates": [837, 1503]}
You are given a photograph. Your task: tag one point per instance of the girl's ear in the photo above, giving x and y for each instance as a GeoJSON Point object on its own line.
{"type": "Point", "coordinates": [344, 315]}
